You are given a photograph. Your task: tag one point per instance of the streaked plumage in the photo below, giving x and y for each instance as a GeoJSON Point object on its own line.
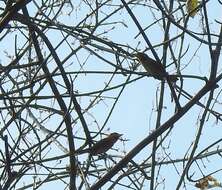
{"type": "Point", "coordinates": [154, 68]}
{"type": "Point", "coordinates": [102, 146]}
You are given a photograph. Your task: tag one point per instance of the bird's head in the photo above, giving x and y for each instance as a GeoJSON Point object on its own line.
{"type": "Point", "coordinates": [141, 56]}
{"type": "Point", "coordinates": [115, 136]}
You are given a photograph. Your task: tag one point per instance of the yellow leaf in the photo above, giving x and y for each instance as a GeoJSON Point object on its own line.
{"type": "Point", "coordinates": [191, 6]}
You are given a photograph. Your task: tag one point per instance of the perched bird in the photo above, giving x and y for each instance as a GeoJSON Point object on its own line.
{"type": "Point", "coordinates": [101, 146]}
{"type": "Point", "coordinates": [154, 68]}
{"type": "Point", "coordinates": [192, 7]}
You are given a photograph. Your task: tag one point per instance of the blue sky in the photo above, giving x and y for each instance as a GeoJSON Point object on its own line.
{"type": "Point", "coordinates": [135, 112]}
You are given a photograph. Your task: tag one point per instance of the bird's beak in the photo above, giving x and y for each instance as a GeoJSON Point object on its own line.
{"type": "Point", "coordinates": [134, 55]}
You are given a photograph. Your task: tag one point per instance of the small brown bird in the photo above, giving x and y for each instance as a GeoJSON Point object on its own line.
{"type": "Point", "coordinates": [154, 68]}
{"type": "Point", "coordinates": [102, 146]}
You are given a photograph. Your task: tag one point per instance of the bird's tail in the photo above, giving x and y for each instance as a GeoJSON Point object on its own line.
{"type": "Point", "coordinates": [82, 151]}
{"type": "Point", "coordinates": [173, 78]}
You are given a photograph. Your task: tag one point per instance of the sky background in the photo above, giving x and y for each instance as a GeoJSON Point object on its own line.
{"type": "Point", "coordinates": [135, 113]}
